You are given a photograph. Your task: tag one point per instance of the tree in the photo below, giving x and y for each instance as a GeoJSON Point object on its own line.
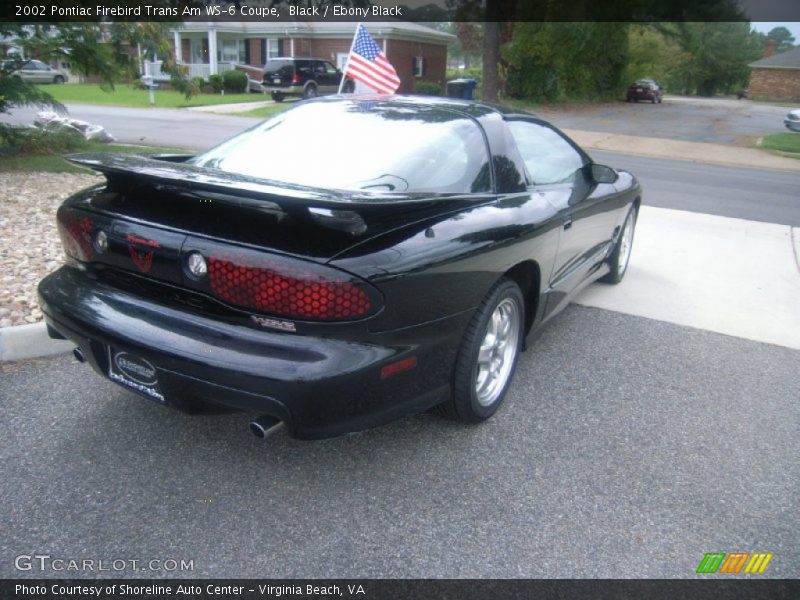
{"type": "Point", "coordinates": [714, 56]}
{"type": "Point", "coordinates": [103, 50]}
{"type": "Point", "coordinates": [784, 40]}
{"type": "Point", "coordinates": [557, 61]}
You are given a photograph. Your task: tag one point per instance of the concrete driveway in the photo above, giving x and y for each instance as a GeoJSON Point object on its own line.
{"type": "Point", "coordinates": [710, 120]}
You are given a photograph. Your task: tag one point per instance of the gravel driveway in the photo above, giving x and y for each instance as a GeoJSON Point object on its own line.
{"type": "Point", "coordinates": [29, 243]}
{"type": "Point", "coordinates": [690, 119]}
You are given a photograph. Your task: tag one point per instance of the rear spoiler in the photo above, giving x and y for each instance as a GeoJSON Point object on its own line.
{"type": "Point", "coordinates": [352, 212]}
{"type": "Point", "coordinates": [172, 169]}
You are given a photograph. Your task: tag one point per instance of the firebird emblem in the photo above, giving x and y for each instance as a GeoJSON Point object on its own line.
{"type": "Point", "coordinates": [142, 258]}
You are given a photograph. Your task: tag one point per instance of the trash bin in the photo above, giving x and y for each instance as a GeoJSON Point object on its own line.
{"type": "Point", "coordinates": [463, 87]}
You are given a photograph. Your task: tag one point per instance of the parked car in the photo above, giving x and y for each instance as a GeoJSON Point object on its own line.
{"type": "Point", "coordinates": [304, 77]}
{"type": "Point", "coordinates": [35, 71]}
{"type": "Point", "coordinates": [396, 263]}
{"type": "Point", "coordinates": [645, 89]}
{"type": "Point", "coordinates": [792, 120]}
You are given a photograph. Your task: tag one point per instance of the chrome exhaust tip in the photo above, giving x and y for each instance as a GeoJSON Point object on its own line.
{"type": "Point", "coordinates": [78, 354]}
{"type": "Point", "coordinates": [266, 426]}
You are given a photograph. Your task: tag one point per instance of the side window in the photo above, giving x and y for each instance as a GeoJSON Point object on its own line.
{"type": "Point", "coordinates": [329, 68]}
{"type": "Point", "coordinates": [304, 67]}
{"type": "Point", "coordinates": [548, 157]}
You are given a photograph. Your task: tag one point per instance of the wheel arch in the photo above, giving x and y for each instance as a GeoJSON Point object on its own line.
{"type": "Point", "coordinates": [528, 276]}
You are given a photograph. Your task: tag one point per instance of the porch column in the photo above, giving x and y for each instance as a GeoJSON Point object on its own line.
{"type": "Point", "coordinates": [291, 47]}
{"type": "Point", "coordinates": [178, 46]}
{"type": "Point", "coordinates": [212, 51]}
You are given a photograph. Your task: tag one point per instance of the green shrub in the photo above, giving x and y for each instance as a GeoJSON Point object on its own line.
{"type": "Point", "coordinates": [216, 83]}
{"type": "Point", "coordinates": [427, 88]}
{"type": "Point", "coordinates": [234, 82]}
{"type": "Point", "coordinates": [39, 140]}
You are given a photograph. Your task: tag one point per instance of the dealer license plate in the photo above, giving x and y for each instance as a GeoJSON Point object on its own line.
{"type": "Point", "coordinates": [134, 373]}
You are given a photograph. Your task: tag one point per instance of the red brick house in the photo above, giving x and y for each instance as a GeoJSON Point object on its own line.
{"type": "Point", "coordinates": [418, 53]}
{"type": "Point", "coordinates": [776, 77]}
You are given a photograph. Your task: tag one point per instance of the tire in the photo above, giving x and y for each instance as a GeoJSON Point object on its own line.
{"type": "Point", "coordinates": [277, 97]}
{"type": "Point", "coordinates": [621, 255]}
{"type": "Point", "coordinates": [58, 79]}
{"type": "Point", "coordinates": [349, 87]}
{"type": "Point", "coordinates": [497, 326]}
{"type": "Point", "coordinates": [653, 100]}
{"type": "Point", "coordinates": [310, 91]}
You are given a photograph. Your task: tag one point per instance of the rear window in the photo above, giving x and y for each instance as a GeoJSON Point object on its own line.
{"type": "Point", "coordinates": [281, 66]}
{"type": "Point", "coordinates": [361, 146]}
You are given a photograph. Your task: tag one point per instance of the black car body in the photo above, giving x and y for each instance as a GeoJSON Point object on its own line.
{"type": "Point", "coordinates": [338, 307]}
{"type": "Point", "coordinates": [645, 89]}
{"type": "Point", "coordinates": [303, 77]}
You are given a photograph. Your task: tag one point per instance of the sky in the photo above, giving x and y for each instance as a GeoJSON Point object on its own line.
{"type": "Point", "coordinates": [766, 27]}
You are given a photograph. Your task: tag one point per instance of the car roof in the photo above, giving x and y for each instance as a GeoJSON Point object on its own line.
{"type": "Point", "coordinates": [470, 107]}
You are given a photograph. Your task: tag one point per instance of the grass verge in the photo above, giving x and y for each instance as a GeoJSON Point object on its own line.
{"type": "Point", "coordinates": [57, 164]}
{"type": "Point", "coordinates": [785, 144]}
{"type": "Point", "coordinates": [264, 112]}
{"type": "Point", "coordinates": [127, 95]}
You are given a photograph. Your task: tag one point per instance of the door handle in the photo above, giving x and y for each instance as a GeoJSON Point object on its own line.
{"type": "Point", "coordinates": [568, 223]}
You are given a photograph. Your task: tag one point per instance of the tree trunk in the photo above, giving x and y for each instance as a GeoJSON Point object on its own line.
{"type": "Point", "coordinates": [491, 58]}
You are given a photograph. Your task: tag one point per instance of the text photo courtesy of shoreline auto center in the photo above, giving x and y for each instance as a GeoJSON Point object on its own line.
{"type": "Point", "coordinates": [406, 299]}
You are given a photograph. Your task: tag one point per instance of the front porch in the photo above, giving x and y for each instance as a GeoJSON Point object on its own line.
{"type": "Point", "coordinates": [207, 51]}
{"type": "Point", "coordinates": [153, 69]}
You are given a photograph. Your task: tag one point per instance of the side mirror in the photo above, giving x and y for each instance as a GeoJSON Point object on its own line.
{"type": "Point", "coordinates": [603, 174]}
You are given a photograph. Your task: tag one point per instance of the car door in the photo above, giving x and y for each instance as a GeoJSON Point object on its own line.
{"type": "Point", "coordinates": [559, 170]}
{"type": "Point", "coordinates": [40, 72]}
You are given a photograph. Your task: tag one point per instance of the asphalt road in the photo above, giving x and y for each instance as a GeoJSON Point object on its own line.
{"type": "Point", "coordinates": [753, 194]}
{"type": "Point", "coordinates": [153, 126]}
{"type": "Point", "coordinates": [627, 448]}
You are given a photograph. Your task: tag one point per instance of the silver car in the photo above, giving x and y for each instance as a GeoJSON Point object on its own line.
{"type": "Point", "coordinates": [792, 120]}
{"type": "Point", "coordinates": [36, 71]}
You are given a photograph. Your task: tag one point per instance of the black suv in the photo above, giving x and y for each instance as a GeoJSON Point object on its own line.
{"type": "Point", "coordinates": [306, 77]}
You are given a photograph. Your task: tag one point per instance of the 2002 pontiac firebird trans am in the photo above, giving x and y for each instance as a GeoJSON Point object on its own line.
{"type": "Point", "coordinates": [345, 263]}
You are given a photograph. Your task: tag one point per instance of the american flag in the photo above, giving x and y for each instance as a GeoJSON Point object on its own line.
{"type": "Point", "coordinates": [369, 65]}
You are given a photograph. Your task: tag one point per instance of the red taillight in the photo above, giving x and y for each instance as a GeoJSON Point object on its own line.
{"type": "Point", "coordinates": [295, 78]}
{"type": "Point", "coordinates": [288, 287]}
{"type": "Point", "coordinates": [75, 231]}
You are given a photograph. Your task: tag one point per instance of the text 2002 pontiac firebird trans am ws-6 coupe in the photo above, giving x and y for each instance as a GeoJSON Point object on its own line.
{"type": "Point", "coordinates": [352, 260]}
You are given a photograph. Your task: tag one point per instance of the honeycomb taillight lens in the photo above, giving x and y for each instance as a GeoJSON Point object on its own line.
{"type": "Point", "coordinates": [76, 232]}
{"type": "Point", "coordinates": [289, 288]}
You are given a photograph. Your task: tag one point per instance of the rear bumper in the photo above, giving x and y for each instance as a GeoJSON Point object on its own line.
{"type": "Point", "coordinates": [289, 90]}
{"type": "Point", "coordinates": [319, 387]}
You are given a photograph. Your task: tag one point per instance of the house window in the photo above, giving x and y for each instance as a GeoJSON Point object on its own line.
{"type": "Point", "coordinates": [232, 51]}
{"type": "Point", "coordinates": [419, 66]}
{"type": "Point", "coordinates": [273, 49]}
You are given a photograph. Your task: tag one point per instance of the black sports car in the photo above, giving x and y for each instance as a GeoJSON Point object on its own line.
{"type": "Point", "coordinates": [345, 263]}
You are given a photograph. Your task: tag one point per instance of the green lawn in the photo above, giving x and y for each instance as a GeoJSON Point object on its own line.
{"type": "Point", "coordinates": [56, 164]}
{"type": "Point", "coordinates": [264, 112]}
{"type": "Point", "coordinates": [126, 95]}
{"type": "Point", "coordinates": [785, 144]}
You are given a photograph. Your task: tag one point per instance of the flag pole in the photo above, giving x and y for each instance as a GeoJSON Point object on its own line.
{"type": "Point", "coordinates": [349, 54]}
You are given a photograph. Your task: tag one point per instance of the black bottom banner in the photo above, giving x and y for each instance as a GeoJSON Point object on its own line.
{"type": "Point", "coordinates": [398, 589]}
